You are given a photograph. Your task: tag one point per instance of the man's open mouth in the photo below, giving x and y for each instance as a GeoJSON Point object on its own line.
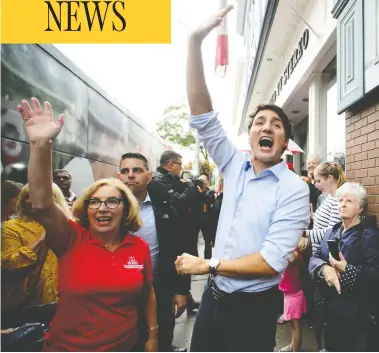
{"type": "Point", "coordinates": [266, 142]}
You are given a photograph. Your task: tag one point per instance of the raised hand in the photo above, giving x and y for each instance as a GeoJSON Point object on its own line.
{"type": "Point", "coordinates": [40, 126]}
{"type": "Point", "coordinates": [205, 28]}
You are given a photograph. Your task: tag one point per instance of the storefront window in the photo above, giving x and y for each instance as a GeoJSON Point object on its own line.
{"type": "Point", "coordinates": [336, 138]}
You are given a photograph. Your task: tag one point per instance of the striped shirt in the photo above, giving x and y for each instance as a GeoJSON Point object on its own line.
{"type": "Point", "coordinates": [324, 219]}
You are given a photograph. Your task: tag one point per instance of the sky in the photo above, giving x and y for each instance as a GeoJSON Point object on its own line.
{"type": "Point", "coordinates": [148, 78]}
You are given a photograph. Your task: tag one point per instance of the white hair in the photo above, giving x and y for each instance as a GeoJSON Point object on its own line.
{"type": "Point", "coordinates": [356, 190]}
{"type": "Point", "coordinates": [314, 156]}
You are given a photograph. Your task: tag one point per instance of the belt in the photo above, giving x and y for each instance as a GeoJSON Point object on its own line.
{"type": "Point", "coordinates": [218, 293]}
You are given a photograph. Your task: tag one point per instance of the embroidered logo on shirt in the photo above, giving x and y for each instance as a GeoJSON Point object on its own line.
{"type": "Point", "coordinates": [132, 263]}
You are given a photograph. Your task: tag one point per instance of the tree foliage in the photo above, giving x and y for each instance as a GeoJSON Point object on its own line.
{"type": "Point", "coordinates": [174, 126]}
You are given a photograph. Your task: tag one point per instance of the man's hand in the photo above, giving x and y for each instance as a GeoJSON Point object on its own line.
{"type": "Point", "coordinates": [179, 303]}
{"type": "Point", "coordinates": [205, 28]}
{"type": "Point", "coordinates": [187, 264]}
{"type": "Point", "coordinates": [331, 277]}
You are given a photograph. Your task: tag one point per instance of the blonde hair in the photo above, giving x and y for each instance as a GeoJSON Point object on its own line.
{"type": "Point", "coordinates": [131, 208]}
{"type": "Point", "coordinates": [333, 169]}
{"type": "Point", "coordinates": [25, 212]}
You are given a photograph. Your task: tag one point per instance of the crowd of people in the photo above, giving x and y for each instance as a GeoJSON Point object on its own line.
{"type": "Point", "coordinates": [118, 258]}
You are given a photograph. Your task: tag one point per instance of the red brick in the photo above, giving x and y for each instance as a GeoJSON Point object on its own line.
{"type": "Point", "coordinates": [351, 175]}
{"type": "Point", "coordinates": [364, 121]}
{"type": "Point", "coordinates": [377, 143]}
{"type": "Point", "coordinates": [368, 146]}
{"type": "Point", "coordinates": [377, 180]}
{"type": "Point", "coordinates": [350, 159]}
{"type": "Point", "coordinates": [350, 128]}
{"type": "Point", "coordinates": [372, 198]}
{"type": "Point", "coordinates": [361, 173]}
{"type": "Point", "coordinates": [368, 111]}
{"type": "Point", "coordinates": [373, 208]}
{"type": "Point", "coordinates": [357, 149]}
{"type": "Point", "coordinates": [358, 124]}
{"type": "Point", "coordinates": [356, 133]}
{"type": "Point", "coordinates": [373, 117]}
{"type": "Point", "coordinates": [377, 162]}
{"type": "Point", "coordinates": [376, 199]}
{"type": "Point", "coordinates": [350, 143]}
{"type": "Point", "coordinates": [368, 163]}
{"type": "Point", "coordinates": [356, 165]}
{"type": "Point", "coordinates": [369, 128]}
{"type": "Point", "coordinates": [348, 136]}
{"type": "Point", "coordinates": [361, 139]}
{"type": "Point", "coordinates": [373, 153]}
{"type": "Point", "coordinates": [373, 190]}
{"type": "Point", "coordinates": [373, 171]}
{"type": "Point", "coordinates": [373, 136]}
{"type": "Point", "coordinates": [360, 156]}
{"type": "Point", "coordinates": [369, 181]}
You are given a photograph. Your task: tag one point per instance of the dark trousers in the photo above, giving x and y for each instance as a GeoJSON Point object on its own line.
{"type": "Point", "coordinates": [166, 319]}
{"type": "Point", "coordinates": [242, 322]}
{"type": "Point", "coordinates": [205, 225]}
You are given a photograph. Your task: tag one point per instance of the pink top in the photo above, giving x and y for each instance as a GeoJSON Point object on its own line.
{"type": "Point", "coordinates": [290, 282]}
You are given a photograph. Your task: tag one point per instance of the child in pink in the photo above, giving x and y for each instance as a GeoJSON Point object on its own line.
{"type": "Point", "coordinates": [294, 300]}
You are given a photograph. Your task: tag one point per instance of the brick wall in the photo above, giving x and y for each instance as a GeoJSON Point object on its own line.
{"type": "Point", "coordinates": [362, 149]}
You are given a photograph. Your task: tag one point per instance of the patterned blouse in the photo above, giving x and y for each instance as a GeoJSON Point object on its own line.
{"type": "Point", "coordinates": [19, 260]}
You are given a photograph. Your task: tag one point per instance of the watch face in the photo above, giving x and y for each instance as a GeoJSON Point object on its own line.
{"type": "Point", "coordinates": [213, 262]}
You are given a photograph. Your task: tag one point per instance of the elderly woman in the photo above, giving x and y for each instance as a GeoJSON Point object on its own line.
{"type": "Point", "coordinates": [29, 268]}
{"type": "Point", "coordinates": [347, 288]}
{"type": "Point", "coordinates": [105, 272]}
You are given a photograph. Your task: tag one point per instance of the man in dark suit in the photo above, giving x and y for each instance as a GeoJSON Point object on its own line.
{"type": "Point", "coordinates": [162, 235]}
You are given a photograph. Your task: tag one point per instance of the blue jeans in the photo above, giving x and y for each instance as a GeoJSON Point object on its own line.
{"type": "Point", "coordinates": [242, 322]}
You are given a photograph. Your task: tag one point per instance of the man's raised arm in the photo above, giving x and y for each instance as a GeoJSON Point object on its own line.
{"type": "Point", "coordinates": [198, 95]}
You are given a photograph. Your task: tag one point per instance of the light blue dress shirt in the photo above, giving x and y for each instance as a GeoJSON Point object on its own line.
{"type": "Point", "coordinates": [148, 231]}
{"type": "Point", "coordinates": [264, 213]}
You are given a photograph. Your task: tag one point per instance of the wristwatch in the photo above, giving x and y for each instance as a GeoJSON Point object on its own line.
{"type": "Point", "coordinates": [213, 264]}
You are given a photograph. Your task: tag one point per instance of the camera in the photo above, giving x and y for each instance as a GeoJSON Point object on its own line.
{"type": "Point", "coordinates": [197, 182]}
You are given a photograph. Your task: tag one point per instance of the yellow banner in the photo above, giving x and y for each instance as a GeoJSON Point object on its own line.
{"type": "Point", "coordinates": [70, 21]}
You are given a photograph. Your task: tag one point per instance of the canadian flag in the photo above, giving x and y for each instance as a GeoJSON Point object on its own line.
{"type": "Point", "coordinates": [222, 48]}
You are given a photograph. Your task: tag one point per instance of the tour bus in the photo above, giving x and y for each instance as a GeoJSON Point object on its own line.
{"type": "Point", "coordinates": [97, 130]}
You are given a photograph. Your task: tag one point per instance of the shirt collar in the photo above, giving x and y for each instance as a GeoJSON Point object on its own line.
{"type": "Point", "coordinates": [277, 169]}
{"type": "Point", "coordinates": [147, 198]}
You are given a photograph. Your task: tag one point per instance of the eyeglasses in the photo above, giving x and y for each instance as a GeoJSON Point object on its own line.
{"type": "Point", "coordinates": [111, 203]}
{"type": "Point", "coordinates": [181, 164]}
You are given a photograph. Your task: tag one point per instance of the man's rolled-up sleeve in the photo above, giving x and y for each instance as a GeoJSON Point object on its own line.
{"type": "Point", "coordinates": [210, 130]}
{"type": "Point", "coordinates": [289, 220]}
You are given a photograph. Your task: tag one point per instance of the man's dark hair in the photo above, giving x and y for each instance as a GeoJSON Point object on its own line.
{"type": "Point", "coordinates": [61, 171]}
{"type": "Point", "coordinates": [136, 155]}
{"type": "Point", "coordinates": [282, 115]}
{"type": "Point", "coordinates": [9, 190]}
{"type": "Point", "coordinates": [168, 156]}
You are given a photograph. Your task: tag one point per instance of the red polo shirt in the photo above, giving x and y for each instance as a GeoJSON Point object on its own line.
{"type": "Point", "coordinates": [99, 292]}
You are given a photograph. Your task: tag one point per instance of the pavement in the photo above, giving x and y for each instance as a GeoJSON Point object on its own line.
{"type": "Point", "coordinates": [184, 324]}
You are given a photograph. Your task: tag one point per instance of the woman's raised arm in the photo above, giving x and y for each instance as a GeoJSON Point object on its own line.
{"type": "Point", "coordinates": [42, 130]}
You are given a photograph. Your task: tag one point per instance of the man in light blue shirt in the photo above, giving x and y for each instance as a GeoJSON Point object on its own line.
{"type": "Point", "coordinates": [264, 213]}
{"type": "Point", "coordinates": [170, 289]}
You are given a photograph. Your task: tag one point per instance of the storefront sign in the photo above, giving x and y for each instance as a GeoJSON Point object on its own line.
{"type": "Point", "coordinates": [295, 58]}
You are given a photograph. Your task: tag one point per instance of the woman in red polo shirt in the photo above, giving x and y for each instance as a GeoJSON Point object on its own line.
{"type": "Point", "coordinates": [104, 273]}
